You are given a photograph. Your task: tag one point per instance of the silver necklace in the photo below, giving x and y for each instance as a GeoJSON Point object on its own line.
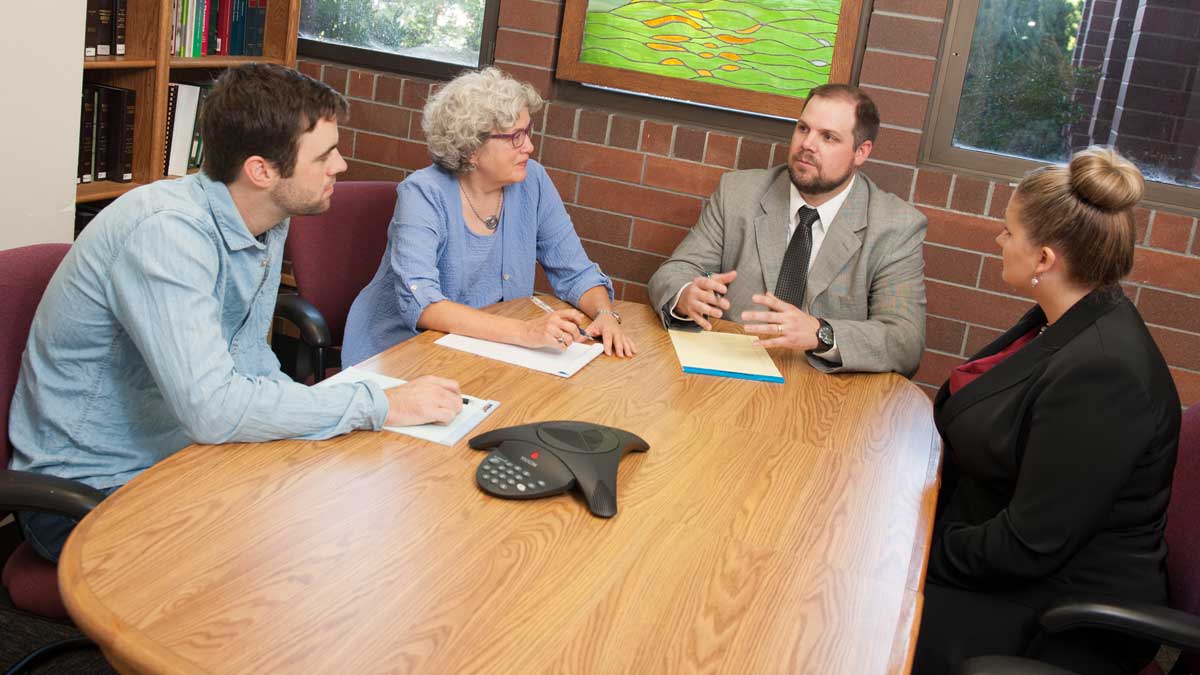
{"type": "Point", "coordinates": [492, 221]}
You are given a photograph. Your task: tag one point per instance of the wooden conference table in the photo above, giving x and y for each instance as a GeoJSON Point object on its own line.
{"type": "Point", "coordinates": [770, 528]}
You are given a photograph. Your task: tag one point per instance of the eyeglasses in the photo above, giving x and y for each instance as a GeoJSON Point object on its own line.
{"type": "Point", "coordinates": [517, 137]}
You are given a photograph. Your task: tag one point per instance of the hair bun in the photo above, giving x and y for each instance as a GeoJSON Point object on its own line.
{"type": "Point", "coordinates": [1105, 179]}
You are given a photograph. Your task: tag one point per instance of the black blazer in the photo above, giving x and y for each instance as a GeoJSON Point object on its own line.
{"type": "Point", "coordinates": [1058, 462]}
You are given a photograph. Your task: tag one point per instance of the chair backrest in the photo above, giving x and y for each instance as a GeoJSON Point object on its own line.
{"type": "Point", "coordinates": [1183, 522]}
{"type": "Point", "coordinates": [335, 254]}
{"type": "Point", "coordinates": [26, 271]}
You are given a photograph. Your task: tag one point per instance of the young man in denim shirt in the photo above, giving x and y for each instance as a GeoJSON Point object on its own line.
{"type": "Point", "coordinates": [152, 333]}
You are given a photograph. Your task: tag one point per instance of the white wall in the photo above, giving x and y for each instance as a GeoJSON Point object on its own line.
{"type": "Point", "coordinates": [41, 41]}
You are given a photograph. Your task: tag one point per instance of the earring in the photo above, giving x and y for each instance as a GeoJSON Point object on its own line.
{"type": "Point", "coordinates": [1035, 281]}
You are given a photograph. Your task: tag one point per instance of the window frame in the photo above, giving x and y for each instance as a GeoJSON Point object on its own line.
{"type": "Point", "coordinates": [938, 148]}
{"type": "Point", "coordinates": [407, 65]}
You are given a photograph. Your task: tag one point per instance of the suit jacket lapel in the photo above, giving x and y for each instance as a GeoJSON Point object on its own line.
{"type": "Point", "coordinates": [771, 229]}
{"type": "Point", "coordinates": [841, 242]}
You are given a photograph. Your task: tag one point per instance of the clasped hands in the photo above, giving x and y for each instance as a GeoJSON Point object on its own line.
{"type": "Point", "coordinates": [558, 329]}
{"type": "Point", "coordinates": [783, 325]}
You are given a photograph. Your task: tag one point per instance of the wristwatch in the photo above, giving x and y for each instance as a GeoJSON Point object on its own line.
{"type": "Point", "coordinates": [824, 337]}
{"type": "Point", "coordinates": [614, 313]}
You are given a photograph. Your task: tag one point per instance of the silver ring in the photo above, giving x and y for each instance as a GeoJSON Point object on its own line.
{"type": "Point", "coordinates": [560, 339]}
{"type": "Point", "coordinates": [779, 329]}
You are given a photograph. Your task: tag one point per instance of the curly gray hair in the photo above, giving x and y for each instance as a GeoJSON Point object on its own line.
{"type": "Point", "coordinates": [458, 118]}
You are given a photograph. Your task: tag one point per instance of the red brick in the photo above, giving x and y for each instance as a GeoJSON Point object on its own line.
{"type": "Point", "coordinates": [657, 205]}
{"type": "Point", "coordinates": [391, 151]}
{"type": "Point", "coordinates": [935, 9]}
{"type": "Point", "coordinates": [1001, 193]}
{"type": "Point", "coordinates": [935, 368]}
{"type": "Point", "coordinates": [541, 282]}
{"type": "Point", "coordinates": [933, 188]}
{"type": "Point", "coordinates": [346, 142]}
{"type": "Point", "coordinates": [624, 132]}
{"type": "Point", "coordinates": [896, 145]}
{"type": "Point", "coordinates": [387, 89]}
{"type": "Point", "coordinates": [895, 179]}
{"type": "Point", "coordinates": [991, 278]}
{"type": "Point", "coordinates": [415, 93]}
{"type": "Point", "coordinates": [689, 144]}
{"type": "Point", "coordinates": [609, 228]}
{"type": "Point", "coordinates": [944, 335]}
{"type": "Point", "coordinates": [948, 264]}
{"type": "Point", "coordinates": [973, 306]}
{"type": "Point", "coordinates": [596, 160]}
{"type": "Point", "coordinates": [1179, 348]}
{"type": "Point", "coordinates": [961, 230]}
{"type": "Point", "coordinates": [335, 77]}
{"type": "Point", "coordinates": [900, 34]}
{"type": "Point", "coordinates": [540, 79]}
{"type": "Point", "coordinates": [672, 174]}
{"type": "Point", "coordinates": [979, 337]}
{"type": "Point", "coordinates": [622, 262]}
{"type": "Point", "coordinates": [898, 72]}
{"type": "Point", "coordinates": [416, 131]}
{"type": "Point", "coordinates": [540, 17]}
{"type": "Point", "coordinates": [722, 150]}
{"type": "Point", "coordinates": [754, 155]}
{"type": "Point", "coordinates": [357, 170]}
{"type": "Point", "coordinates": [362, 84]}
{"type": "Point", "coordinates": [1166, 270]}
{"type": "Point", "coordinates": [1141, 219]}
{"type": "Point", "coordinates": [560, 120]}
{"type": "Point", "coordinates": [656, 138]}
{"type": "Point", "coordinates": [656, 237]}
{"type": "Point", "coordinates": [1170, 309]}
{"type": "Point", "coordinates": [636, 293]}
{"type": "Point", "coordinates": [969, 194]}
{"type": "Point", "coordinates": [899, 108]}
{"type": "Point", "coordinates": [593, 126]}
{"type": "Point", "coordinates": [309, 68]}
{"type": "Point", "coordinates": [779, 154]}
{"type": "Point", "coordinates": [565, 183]}
{"type": "Point", "coordinates": [384, 119]}
{"type": "Point", "coordinates": [531, 50]}
{"type": "Point", "coordinates": [1171, 231]}
{"type": "Point", "coordinates": [618, 288]}
{"type": "Point", "coordinates": [1188, 384]}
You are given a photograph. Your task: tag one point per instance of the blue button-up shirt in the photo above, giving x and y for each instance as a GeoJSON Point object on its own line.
{"type": "Point", "coordinates": [152, 335]}
{"type": "Point", "coordinates": [428, 258]}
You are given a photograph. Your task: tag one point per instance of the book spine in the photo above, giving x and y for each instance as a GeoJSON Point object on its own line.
{"type": "Point", "coordinates": [193, 161]}
{"type": "Point", "coordinates": [91, 30]}
{"type": "Point", "coordinates": [260, 24]}
{"type": "Point", "coordinates": [104, 28]}
{"type": "Point", "coordinates": [237, 30]}
{"type": "Point", "coordinates": [103, 133]}
{"type": "Point", "coordinates": [129, 103]}
{"type": "Point", "coordinates": [120, 7]}
{"type": "Point", "coordinates": [172, 99]}
{"type": "Point", "coordinates": [201, 48]}
{"type": "Point", "coordinates": [87, 135]}
{"type": "Point", "coordinates": [225, 13]}
{"type": "Point", "coordinates": [214, 27]}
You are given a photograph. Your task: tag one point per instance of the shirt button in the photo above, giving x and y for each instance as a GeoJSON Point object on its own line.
{"type": "Point", "coordinates": [505, 277]}
{"type": "Point", "coordinates": [413, 287]}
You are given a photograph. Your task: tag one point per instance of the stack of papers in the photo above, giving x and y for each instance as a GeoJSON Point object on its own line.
{"type": "Point", "coordinates": [724, 354]}
{"type": "Point", "coordinates": [473, 412]}
{"type": "Point", "coordinates": [562, 364]}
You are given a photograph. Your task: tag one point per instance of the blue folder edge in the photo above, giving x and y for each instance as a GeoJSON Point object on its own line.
{"type": "Point", "coordinates": [727, 373]}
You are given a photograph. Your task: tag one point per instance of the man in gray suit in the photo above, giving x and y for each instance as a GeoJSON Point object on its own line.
{"type": "Point", "coordinates": [842, 257]}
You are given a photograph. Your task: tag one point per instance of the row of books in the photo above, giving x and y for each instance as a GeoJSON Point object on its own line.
{"type": "Point", "coordinates": [106, 134]}
{"type": "Point", "coordinates": [218, 27]}
{"type": "Point", "coordinates": [185, 146]}
{"type": "Point", "coordinates": [104, 32]}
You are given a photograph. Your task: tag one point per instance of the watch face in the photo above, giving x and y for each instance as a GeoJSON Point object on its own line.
{"type": "Point", "coordinates": [825, 335]}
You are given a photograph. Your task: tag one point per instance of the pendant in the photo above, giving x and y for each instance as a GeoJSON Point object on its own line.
{"type": "Point", "coordinates": [491, 222]}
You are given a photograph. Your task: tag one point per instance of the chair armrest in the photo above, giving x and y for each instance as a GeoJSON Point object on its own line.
{"type": "Point", "coordinates": [314, 331]}
{"type": "Point", "coordinates": [1154, 622]}
{"type": "Point", "coordinates": [25, 491]}
{"type": "Point", "coordinates": [1008, 665]}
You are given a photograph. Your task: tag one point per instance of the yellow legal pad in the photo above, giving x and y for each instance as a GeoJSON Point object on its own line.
{"type": "Point", "coordinates": [724, 355]}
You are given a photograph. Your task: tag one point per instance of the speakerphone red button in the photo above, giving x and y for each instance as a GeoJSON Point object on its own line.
{"type": "Point", "coordinates": [533, 455]}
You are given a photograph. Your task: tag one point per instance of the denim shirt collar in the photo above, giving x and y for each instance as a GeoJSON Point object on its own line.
{"type": "Point", "coordinates": [233, 229]}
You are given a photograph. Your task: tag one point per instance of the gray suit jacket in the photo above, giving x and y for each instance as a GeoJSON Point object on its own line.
{"type": "Point", "coordinates": [867, 281]}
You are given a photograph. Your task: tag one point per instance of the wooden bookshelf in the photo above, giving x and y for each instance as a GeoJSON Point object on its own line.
{"type": "Point", "coordinates": [148, 66]}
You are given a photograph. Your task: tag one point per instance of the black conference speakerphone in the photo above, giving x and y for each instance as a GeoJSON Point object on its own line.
{"type": "Point", "coordinates": [548, 458]}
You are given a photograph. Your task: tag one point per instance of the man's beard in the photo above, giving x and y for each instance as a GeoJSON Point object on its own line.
{"type": "Point", "coordinates": [295, 203]}
{"type": "Point", "coordinates": [817, 185]}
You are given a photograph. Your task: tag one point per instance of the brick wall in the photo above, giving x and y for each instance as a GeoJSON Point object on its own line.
{"type": "Point", "coordinates": [634, 185]}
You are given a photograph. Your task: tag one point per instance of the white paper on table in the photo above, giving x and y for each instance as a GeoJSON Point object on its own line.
{"type": "Point", "coordinates": [563, 364]}
{"type": "Point", "coordinates": [473, 411]}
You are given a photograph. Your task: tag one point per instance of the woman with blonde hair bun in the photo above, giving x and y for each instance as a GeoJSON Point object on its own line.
{"type": "Point", "coordinates": [1059, 439]}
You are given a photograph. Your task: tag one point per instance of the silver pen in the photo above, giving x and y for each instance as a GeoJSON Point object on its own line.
{"type": "Point", "coordinates": [550, 310]}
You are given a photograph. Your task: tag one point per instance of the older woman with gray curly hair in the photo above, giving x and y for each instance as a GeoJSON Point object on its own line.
{"type": "Point", "coordinates": [468, 230]}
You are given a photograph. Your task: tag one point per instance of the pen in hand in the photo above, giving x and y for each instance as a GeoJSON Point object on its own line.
{"type": "Point", "coordinates": [550, 310]}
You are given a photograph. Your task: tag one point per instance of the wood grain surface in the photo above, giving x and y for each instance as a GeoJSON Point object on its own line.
{"type": "Point", "coordinates": [770, 528]}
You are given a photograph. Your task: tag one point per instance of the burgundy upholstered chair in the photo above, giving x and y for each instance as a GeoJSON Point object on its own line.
{"type": "Point", "coordinates": [1177, 626]}
{"type": "Point", "coordinates": [334, 256]}
{"type": "Point", "coordinates": [32, 582]}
